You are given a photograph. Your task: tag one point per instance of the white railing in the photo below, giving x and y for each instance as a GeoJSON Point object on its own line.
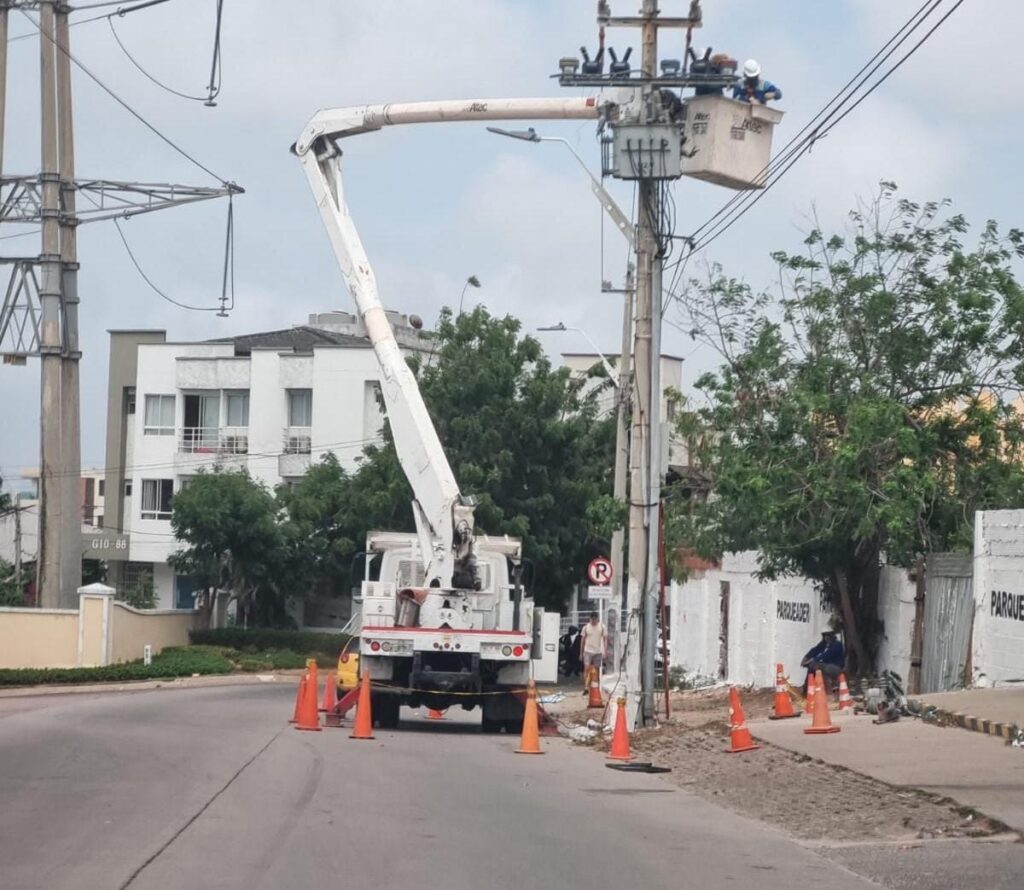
{"type": "Point", "coordinates": [297, 439]}
{"type": "Point", "coordinates": [213, 440]}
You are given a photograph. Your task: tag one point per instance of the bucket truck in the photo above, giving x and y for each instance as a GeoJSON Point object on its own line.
{"type": "Point", "coordinates": [446, 620]}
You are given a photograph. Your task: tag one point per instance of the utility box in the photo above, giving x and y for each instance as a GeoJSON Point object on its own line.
{"type": "Point", "coordinates": [646, 152]}
{"type": "Point", "coordinates": [728, 142]}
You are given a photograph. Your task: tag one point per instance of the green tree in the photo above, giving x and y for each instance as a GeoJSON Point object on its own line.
{"type": "Point", "coordinates": [521, 436]}
{"type": "Point", "coordinates": [233, 542]}
{"type": "Point", "coordinates": [866, 413]}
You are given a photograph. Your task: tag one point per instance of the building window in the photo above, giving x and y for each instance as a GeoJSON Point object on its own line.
{"type": "Point", "coordinates": [159, 420]}
{"type": "Point", "coordinates": [237, 408]}
{"type": "Point", "coordinates": [99, 521]}
{"type": "Point", "coordinates": [129, 400]}
{"type": "Point", "coordinates": [127, 488]}
{"type": "Point", "coordinates": [300, 407]}
{"type": "Point", "coordinates": [184, 592]}
{"type": "Point", "coordinates": [156, 498]}
{"type": "Point", "coordinates": [101, 487]}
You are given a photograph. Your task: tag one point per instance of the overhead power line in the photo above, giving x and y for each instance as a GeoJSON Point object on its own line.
{"type": "Point", "coordinates": [833, 113]}
{"type": "Point", "coordinates": [137, 115]}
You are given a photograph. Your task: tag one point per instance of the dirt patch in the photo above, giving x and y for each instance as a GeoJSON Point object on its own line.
{"type": "Point", "coordinates": [805, 797]}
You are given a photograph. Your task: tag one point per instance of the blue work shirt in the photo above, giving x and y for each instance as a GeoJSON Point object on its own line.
{"type": "Point", "coordinates": [763, 86]}
{"type": "Point", "coordinates": [828, 653]}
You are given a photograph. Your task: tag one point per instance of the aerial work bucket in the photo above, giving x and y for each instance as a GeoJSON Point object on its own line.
{"type": "Point", "coordinates": [729, 142]}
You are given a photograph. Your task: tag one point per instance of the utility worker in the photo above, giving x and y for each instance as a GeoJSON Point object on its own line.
{"type": "Point", "coordinates": [753, 87]}
{"type": "Point", "coordinates": [827, 656]}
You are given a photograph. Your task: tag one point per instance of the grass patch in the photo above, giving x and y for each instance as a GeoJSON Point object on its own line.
{"type": "Point", "coordinates": [274, 649]}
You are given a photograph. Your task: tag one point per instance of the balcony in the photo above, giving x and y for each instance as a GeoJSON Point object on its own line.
{"type": "Point", "coordinates": [296, 446]}
{"type": "Point", "coordinates": [224, 446]}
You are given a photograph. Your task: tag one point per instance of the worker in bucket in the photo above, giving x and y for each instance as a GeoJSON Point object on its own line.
{"type": "Point", "coordinates": [828, 657]}
{"type": "Point", "coordinates": [593, 643]}
{"type": "Point", "coordinates": [753, 87]}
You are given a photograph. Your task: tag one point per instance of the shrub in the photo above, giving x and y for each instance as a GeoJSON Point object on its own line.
{"type": "Point", "coordinates": [173, 662]}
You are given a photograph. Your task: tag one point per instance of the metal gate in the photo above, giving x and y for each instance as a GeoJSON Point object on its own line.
{"type": "Point", "coordinates": [948, 618]}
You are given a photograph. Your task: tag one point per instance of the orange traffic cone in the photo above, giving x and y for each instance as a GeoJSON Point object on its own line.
{"type": "Point", "coordinates": [308, 718]}
{"type": "Point", "coordinates": [298, 699]}
{"type": "Point", "coordinates": [529, 742]}
{"type": "Point", "coordinates": [363, 728]}
{"type": "Point", "coordinates": [809, 705]}
{"type": "Point", "coordinates": [845, 702]}
{"type": "Point", "coordinates": [330, 696]}
{"type": "Point", "coordinates": [822, 721]}
{"type": "Point", "coordinates": [620, 738]}
{"type": "Point", "coordinates": [595, 690]}
{"type": "Point", "coordinates": [739, 736]}
{"type": "Point", "coordinates": [783, 706]}
{"type": "Point", "coordinates": [434, 714]}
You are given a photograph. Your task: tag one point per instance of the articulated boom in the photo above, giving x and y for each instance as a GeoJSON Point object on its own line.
{"type": "Point", "coordinates": [444, 517]}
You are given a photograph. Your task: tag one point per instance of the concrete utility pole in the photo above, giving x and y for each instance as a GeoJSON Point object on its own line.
{"type": "Point", "coordinates": [622, 443]}
{"type": "Point", "coordinates": [3, 77]}
{"type": "Point", "coordinates": [644, 418]}
{"type": "Point", "coordinates": [52, 471]}
{"type": "Point", "coordinates": [70, 421]}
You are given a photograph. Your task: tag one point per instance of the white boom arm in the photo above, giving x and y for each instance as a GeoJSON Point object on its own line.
{"type": "Point", "coordinates": [444, 518]}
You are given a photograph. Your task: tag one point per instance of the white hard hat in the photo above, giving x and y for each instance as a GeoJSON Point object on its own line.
{"type": "Point", "coordinates": [751, 69]}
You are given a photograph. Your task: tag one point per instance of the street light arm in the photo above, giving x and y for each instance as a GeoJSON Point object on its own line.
{"type": "Point", "coordinates": [604, 361]}
{"type": "Point", "coordinates": [622, 222]}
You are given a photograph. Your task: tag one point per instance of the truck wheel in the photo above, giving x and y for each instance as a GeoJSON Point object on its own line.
{"type": "Point", "coordinates": [490, 726]}
{"type": "Point", "coordinates": [386, 711]}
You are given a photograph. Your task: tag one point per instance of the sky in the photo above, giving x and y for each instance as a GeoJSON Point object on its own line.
{"type": "Point", "coordinates": [435, 204]}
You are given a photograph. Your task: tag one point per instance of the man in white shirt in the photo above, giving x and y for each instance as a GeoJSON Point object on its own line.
{"type": "Point", "coordinates": [593, 643]}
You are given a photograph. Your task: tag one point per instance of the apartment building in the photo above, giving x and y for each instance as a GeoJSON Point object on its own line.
{"type": "Point", "coordinates": [273, 403]}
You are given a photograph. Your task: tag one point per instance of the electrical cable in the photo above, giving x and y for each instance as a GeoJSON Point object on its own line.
{"type": "Point", "coordinates": [120, 13]}
{"type": "Point", "coordinates": [821, 131]}
{"type": "Point", "coordinates": [736, 215]}
{"type": "Point", "coordinates": [915, 21]}
{"type": "Point", "coordinates": [797, 142]}
{"type": "Point", "coordinates": [144, 72]}
{"type": "Point", "coordinates": [202, 459]}
{"type": "Point", "coordinates": [138, 116]}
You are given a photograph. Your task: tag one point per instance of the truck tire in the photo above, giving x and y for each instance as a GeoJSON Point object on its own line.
{"type": "Point", "coordinates": [490, 726]}
{"type": "Point", "coordinates": [386, 710]}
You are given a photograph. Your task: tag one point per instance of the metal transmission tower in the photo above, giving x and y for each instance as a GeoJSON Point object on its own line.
{"type": "Point", "coordinates": [39, 312]}
{"type": "Point", "coordinates": [645, 146]}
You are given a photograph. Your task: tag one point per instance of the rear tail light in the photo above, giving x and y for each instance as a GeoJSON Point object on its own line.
{"type": "Point", "coordinates": [517, 651]}
{"type": "Point", "coordinates": [344, 658]}
{"type": "Point", "coordinates": [375, 646]}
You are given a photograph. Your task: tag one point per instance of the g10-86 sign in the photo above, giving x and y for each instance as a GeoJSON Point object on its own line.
{"type": "Point", "coordinates": [106, 545]}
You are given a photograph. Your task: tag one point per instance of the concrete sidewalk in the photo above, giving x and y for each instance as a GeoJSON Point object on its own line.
{"type": "Point", "coordinates": [974, 770]}
{"type": "Point", "coordinates": [201, 680]}
{"type": "Point", "coordinates": [998, 712]}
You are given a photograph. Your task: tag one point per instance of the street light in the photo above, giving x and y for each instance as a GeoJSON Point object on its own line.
{"type": "Point", "coordinates": [604, 361]}
{"type": "Point", "coordinates": [620, 219]}
{"type": "Point", "coordinates": [472, 281]}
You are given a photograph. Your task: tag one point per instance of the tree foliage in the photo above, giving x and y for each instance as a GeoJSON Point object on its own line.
{"type": "Point", "coordinates": [521, 436]}
{"type": "Point", "coordinates": [867, 410]}
{"type": "Point", "coordinates": [232, 539]}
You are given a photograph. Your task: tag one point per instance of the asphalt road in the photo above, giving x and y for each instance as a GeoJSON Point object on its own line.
{"type": "Point", "coordinates": [210, 788]}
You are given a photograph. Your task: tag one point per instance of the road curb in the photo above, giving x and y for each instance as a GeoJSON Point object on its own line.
{"type": "Point", "coordinates": [1007, 731]}
{"type": "Point", "coordinates": [199, 682]}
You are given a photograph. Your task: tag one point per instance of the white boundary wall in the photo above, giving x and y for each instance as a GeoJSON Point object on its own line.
{"type": "Point", "coordinates": [998, 636]}
{"type": "Point", "coordinates": [772, 622]}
